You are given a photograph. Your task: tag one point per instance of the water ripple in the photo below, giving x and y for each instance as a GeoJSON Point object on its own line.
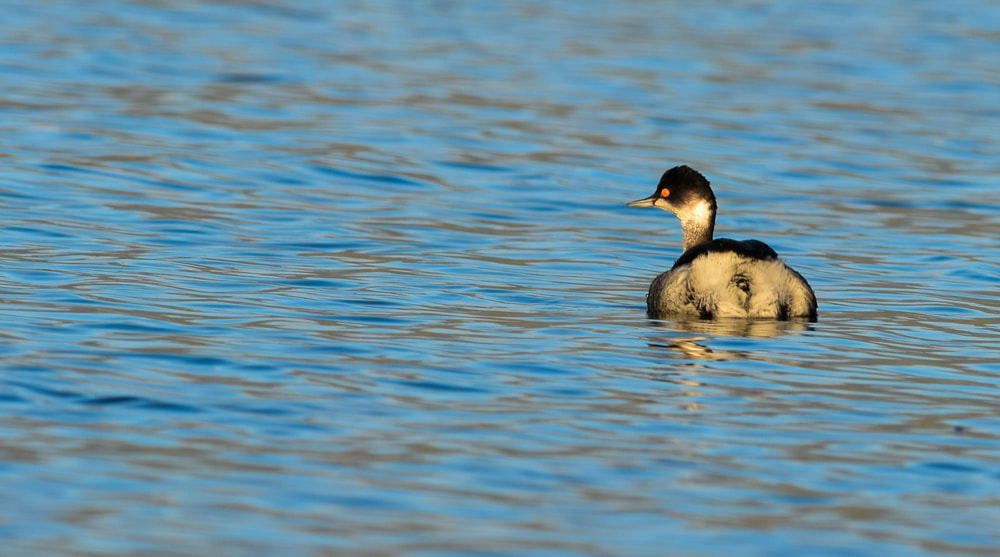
{"type": "Point", "coordinates": [329, 278]}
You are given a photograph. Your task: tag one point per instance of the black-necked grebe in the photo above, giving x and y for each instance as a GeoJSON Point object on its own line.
{"type": "Point", "coordinates": [720, 277]}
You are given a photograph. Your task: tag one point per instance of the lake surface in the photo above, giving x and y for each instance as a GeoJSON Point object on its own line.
{"type": "Point", "coordinates": [324, 278]}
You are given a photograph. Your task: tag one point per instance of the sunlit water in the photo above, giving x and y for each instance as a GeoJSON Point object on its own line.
{"type": "Point", "coordinates": [290, 278]}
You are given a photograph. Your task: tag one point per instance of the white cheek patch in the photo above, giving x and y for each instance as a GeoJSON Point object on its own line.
{"type": "Point", "coordinates": [701, 212]}
{"type": "Point", "coordinates": [698, 216]}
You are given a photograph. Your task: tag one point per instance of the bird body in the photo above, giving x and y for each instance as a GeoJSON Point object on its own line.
{"type": "Point", "coordinates": [720, 278]}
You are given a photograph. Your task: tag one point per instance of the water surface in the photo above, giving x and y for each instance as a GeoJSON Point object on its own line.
{"type": "Point", "coordinates": [309, 278]}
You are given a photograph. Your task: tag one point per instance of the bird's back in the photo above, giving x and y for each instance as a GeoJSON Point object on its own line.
{"type": "Point", "coordinates": [728, 278]}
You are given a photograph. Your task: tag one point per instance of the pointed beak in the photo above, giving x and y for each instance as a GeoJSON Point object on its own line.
{"type": "Point", "coordinates": [647, 202]}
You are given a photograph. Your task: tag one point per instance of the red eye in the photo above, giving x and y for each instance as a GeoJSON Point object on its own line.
{"type": "Point", "coordinates": [665, 193]}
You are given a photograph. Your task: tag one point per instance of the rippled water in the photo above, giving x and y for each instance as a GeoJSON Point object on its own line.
{"type": "Point", "coordinates": [290, 278]}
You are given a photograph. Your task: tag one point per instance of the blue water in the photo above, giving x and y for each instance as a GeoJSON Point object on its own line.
{"type": "Point", "coordinates": [316, 278]}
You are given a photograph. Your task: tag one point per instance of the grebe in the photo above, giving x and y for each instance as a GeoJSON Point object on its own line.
{"type": "Point", "coordinates": [720, 277]}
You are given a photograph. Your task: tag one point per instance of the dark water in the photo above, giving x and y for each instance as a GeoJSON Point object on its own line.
{"type": "Point", "coordinates": [316, 278]}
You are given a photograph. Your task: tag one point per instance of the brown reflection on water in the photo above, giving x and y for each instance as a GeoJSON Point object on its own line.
{"type": "Point", "coordinates": [762, 328]}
